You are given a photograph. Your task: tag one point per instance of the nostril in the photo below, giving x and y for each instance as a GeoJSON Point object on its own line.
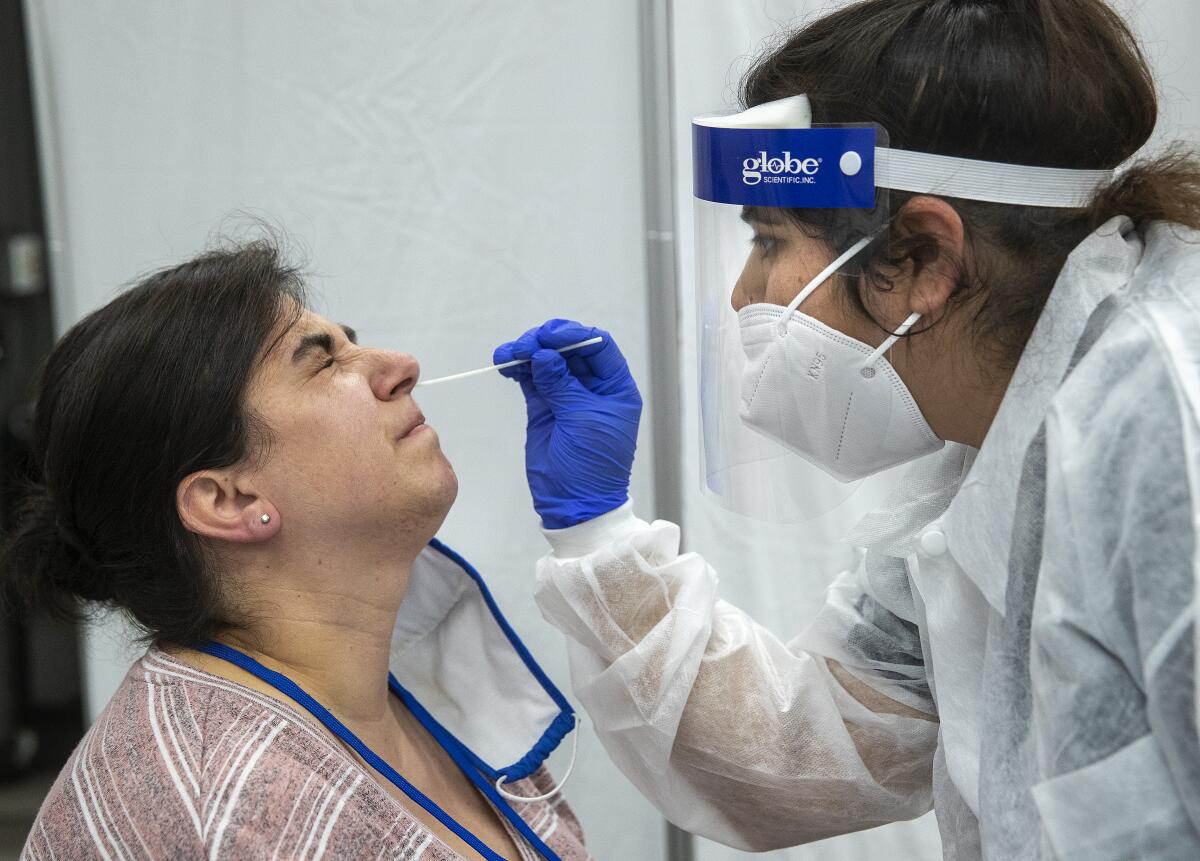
{"type": "Point", "coordinates": [402, 372]}
{"type": "Point", "coordinates": [406, 384]}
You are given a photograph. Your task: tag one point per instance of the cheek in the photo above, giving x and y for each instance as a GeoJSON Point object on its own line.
{"type": "Point", "coordinates": [833, 305]}
{"type": "Point", "coordinates": [791, 274]}
{"type": "Point", "coordinates": [825, 306]}
{"type": "Point", "coordinates": [793, 268]}
{"type": "Point", "coordinates": [337, 433]}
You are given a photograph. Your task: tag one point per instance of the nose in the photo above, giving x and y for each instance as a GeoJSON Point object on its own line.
{"type": "Point", "coordinates": [736, 299]}
{"type": "Point", "coordinates": [748, 284]}
{"type": "Point", "coordinates": [396, 374]}
{"type": "Point", "coordinates": [740, 297]}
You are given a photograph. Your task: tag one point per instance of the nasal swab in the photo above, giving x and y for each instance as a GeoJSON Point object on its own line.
{"type": "Point", "coordinates": [477, 371]}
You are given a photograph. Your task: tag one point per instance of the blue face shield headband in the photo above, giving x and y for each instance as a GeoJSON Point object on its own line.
{"type": "Point", "coordinates": [771, 155]}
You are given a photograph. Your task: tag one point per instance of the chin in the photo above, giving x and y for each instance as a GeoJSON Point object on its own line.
{"type": "Point", "coordinates": [451, 487]}
{"type": "Point", "coordinates": [450, 479]}
{"type": "Point", "coordinates": [442, 492]}
{"type": "Point", "coordinates": [426, 498]}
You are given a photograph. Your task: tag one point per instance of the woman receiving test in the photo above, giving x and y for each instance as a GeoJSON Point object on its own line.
{"type": "Point", "coordinates": [259, 493]}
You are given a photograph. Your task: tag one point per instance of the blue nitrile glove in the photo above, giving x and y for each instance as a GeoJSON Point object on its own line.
{"type": "Point", "coordinates": [583, 409]}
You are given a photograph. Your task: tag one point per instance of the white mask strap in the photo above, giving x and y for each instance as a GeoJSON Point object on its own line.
{"type": "Point", "coordinates": [825, 275]}
{"type": "Point", "coordinates": [527, 799]}
{"type": "Point", "coordinates": [887, 345]}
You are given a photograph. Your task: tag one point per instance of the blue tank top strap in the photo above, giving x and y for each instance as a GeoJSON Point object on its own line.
{"type": "Point", "coordinates": [458, 752]}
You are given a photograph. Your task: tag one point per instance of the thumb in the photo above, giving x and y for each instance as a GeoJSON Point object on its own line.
{"type": "Point", "coordinates": [553, 379]}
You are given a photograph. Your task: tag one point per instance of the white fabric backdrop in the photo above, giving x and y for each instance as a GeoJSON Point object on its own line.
{"type": "Point", "coordinates": [458, 172]}
{"type": "Point", "coordinates": [779, 574]}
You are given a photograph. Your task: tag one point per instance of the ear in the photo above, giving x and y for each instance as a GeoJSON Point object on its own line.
{"type": "Point", "coordinates": [220, 504]}
{"type": "Point", "coordinates": [935, 273]}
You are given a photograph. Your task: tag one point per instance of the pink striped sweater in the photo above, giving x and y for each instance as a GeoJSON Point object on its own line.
{"type": "Point", "coordinates": [183, 764]}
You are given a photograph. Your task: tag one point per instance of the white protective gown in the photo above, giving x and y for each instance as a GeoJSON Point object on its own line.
{"type": "Point", "coordinates": [1027, 609]}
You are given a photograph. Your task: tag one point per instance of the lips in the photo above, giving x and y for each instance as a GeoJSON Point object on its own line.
{"type": "Point", "coordinates": [417, 421]}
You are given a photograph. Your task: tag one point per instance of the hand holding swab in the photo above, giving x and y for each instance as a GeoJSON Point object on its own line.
{"type": "Point", "coordinates": [478, 371]}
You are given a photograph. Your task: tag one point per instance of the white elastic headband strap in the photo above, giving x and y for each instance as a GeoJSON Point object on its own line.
{"type": "Point", "coordinates": [994, 182]}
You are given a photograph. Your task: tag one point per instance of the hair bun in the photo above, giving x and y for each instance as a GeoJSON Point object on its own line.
{"type": "Point", "coordinates": [85, 578]}
{"type": "Point", "coordinates": [45, 563]}
{"type": "Point", "coordinates": [71, 539]}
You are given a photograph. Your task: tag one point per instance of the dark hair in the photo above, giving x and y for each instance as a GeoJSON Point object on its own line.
{"type": "Point", "coordinates": [1052, 83]}
{"type": "Point", "coordinates": [133, 398]}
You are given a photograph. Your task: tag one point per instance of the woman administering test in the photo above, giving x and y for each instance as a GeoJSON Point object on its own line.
{"type": "Point", "coordinates": [954, 262]}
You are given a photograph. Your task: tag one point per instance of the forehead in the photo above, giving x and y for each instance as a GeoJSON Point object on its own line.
{"type": "Point", "coordinates": [309, 321]}
{"type": "Point", "coordinates": [305, 327]}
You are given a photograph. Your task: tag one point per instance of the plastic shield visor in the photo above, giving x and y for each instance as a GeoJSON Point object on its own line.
{"type": "Point", "coordinates": [776, 201]}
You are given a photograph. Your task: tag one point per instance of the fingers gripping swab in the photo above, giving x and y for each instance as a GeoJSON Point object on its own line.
{"type": "Point", "coordinates": [478, 371]}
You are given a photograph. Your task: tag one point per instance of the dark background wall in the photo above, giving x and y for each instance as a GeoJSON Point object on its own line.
{"type": "Point", "coordinates": [40, 703]}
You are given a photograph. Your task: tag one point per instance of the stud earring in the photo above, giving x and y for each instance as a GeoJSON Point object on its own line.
{"type": "Point", "coordinates": [266, 518]}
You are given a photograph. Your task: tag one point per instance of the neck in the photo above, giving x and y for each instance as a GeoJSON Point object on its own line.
{"type": "Point", "coordinates": [329, 632]}
{"type": "Point", "coordinates": [958, 395]}
{"type": "Point", "coordinates": [968, 417]}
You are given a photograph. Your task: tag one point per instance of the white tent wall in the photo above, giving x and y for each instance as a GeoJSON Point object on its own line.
{"type": "Point", "coordinates": [455, 173]}
{"type": "Point", "coordinates": [779, 574]}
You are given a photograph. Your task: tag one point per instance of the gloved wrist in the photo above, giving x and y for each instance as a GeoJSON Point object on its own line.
{"type": "Point", "coordinates": [566, 513]}
{"type": "Point", "coordinates": [588, 536]}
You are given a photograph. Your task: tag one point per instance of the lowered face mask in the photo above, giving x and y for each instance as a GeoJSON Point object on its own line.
{"type": "Point", "coordinates": [834, 400]}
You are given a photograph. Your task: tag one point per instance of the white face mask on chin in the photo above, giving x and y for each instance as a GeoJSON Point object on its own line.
{"type": "Point", "coordinates": [828, 397]}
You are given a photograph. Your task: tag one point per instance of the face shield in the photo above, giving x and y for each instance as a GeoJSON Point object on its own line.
{"type": "Point", "coordinates": [773, 193]}
{"type": "Point", "coordinates": [794, 411]}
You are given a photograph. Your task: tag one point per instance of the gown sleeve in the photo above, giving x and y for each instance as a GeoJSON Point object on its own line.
{"type": "Point", "coordinates": [732, 733]}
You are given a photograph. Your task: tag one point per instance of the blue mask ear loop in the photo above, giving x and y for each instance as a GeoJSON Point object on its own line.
{"type": "Point", "coordinates": [526, 799]}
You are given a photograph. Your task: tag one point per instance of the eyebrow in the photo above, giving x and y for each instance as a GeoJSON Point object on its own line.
{"type": "Point", "coordinates": [323, 340]}
{"type": "Point", "coordinates": [760, 215]}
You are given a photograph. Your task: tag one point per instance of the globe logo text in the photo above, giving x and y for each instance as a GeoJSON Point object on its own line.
{"type": "Point", "coordinates": [785, 168]}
